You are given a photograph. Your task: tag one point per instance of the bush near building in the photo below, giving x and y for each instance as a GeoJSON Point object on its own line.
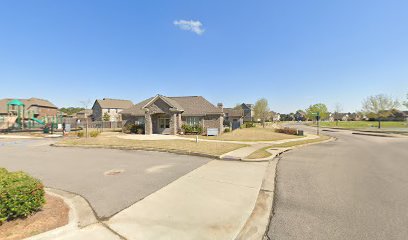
{"type": "Point", "coordinates": [20, 195]}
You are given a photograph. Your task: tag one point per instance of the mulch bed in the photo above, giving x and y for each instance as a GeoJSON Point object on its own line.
{"type": "Point", "coordinates": [54, 214]}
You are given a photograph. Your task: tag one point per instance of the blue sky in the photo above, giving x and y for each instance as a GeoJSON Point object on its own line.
{"type": "Point", "coordinates": [294, 53]}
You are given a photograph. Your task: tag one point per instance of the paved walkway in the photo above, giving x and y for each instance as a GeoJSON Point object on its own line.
{"type": "Point", "coordinates": [211, 202]}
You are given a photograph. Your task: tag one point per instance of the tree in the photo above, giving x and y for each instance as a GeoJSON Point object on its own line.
{"type": "Point", "coordinates": [238, 106]}
{"type": "Point", "coordinates": [379, 106]}
{"type": "Point", "coordinates": [406, 102]}
{"type": "Point", "coordinates": [261, 110]}
{"type": "Point", "coordinates": [106, 117]}
{"type": "Point", "coordinates": [71, 110]}
{"type": "Point", "coordinates": [337, 110]}
{"type": "Point", "coordinates": [317, 108]}
{"type": "Point", "coordinates": [300, 115]}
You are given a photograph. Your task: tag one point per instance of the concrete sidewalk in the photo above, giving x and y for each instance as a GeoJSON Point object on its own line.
{"type": "Point", "coordinates": [211, 202]}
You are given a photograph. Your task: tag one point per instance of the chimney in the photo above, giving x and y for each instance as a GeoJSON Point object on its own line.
{"type": "Point", "coordinates": [221, 106]}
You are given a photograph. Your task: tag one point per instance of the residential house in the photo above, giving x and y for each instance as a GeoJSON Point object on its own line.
{"type": "Point", "coordinates": [406, 115]}
{"type": "Point", "coordinates": [166, 115]}
{"type": "Point", "coordinates": [83, 114]}
{"type": "Point", "coordinates": [233, 117]}
{"type": "Point", "coordinates": [111, 107]}
{"type": "Point", "coordinates": [248, 110]}
{"type": "Point", "coordinates": [33, 107]}
{"type": "Point", "coordinates": [274, 116]}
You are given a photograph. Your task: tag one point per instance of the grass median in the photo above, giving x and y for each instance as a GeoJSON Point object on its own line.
{"type": "Point", "coordinates": [214, 149]}
{"type": "Point", "coordinates": [263, 153]}
{"type": "Point", "coordinates": [362, 124]}
{"type": "Point", "coordinates": [250, 135]}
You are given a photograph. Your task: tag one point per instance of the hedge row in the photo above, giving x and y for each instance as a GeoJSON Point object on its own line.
{"type": "Point", "coordinates": [286, 130]}
{"type": "Point", "coordinates": [20, 195]}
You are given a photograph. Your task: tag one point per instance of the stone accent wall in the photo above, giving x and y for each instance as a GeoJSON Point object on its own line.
{"type": "Point", "coordinates": [214, 121]}
{"type": "Point", "coordinates": [179, 122]}
{"type": "Point", "coordinates": [173, 124]}
{"type": "Point", "coordinates": [148, 124]}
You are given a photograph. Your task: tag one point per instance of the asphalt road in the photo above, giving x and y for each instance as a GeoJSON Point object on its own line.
{"type": "Point", "coordinates": [352, 188]}
{"type": "Point", "coordinates": [87, 171]}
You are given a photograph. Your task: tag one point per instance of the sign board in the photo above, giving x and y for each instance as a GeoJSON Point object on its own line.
{"type": "Point", "coordinates": [212, 131]}
{"type": "Point", "coordinates": [67, 127]}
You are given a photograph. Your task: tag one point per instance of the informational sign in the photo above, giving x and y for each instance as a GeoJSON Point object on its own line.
{"type": "Point", "coordinates": [212, 131]}
{"type": "Point", "coordinates": [67, 127]}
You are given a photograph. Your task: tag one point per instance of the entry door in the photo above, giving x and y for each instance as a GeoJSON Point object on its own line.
{"type": "Point", "coordinates": [164, 125]}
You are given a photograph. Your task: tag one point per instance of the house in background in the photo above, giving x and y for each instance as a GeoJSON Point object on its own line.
{"type": "Point", "coordinates": [166, 115]}
{"type": "Point", "coordinates": [34, 107]}
{"type": "Point", "coordinates": [233, 117]}
{"type": "Point", "coordinates": [248, 110]}
{"type": "Point", "coordinates": [274, 116]}
{"type": "Point", "coordinates": [84, 114]}
{"type": "Point", "coordinates": [109, 106]}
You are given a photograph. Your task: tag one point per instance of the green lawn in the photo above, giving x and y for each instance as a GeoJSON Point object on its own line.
{"type": "Point", "coordinates": [363, 124]}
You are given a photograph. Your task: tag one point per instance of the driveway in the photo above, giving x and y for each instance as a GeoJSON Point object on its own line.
{"type": "Point", "coordinates": [352, 188]}
{"type": "Point", "coordinates": [110, 180]}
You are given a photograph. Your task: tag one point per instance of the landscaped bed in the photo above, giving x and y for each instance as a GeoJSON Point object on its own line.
{"type": "Point", "coordinates": [251, 135]}
{"type": "Point", "coordinates": [53, 214]}
{"type": "Point", "coordinates": [214, 149]}
{"type": "Point", "coordinates": [25, 210]}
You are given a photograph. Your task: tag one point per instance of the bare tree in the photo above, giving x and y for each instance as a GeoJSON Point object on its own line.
{"type": "Point", "coordinates": [261, 110]}
{"type": "Point", "coordinates": [86, 104]}
{"type": "Point", "coordinates": [337, 110]}
{"type": "Point", "coordinates": [406, 102]}
{"type": "Point", "coordinates": [379, 107]}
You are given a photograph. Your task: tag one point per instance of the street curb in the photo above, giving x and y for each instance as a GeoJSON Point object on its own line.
{"type": "Point", "coordinates": [398, 133]}
{"type": "Point", "coordinates": [80, 215]}
{"type": "Point", "coordinates": [139, 149]}
{"type": "Point", "coordinates": [374, 134]}
{"type": "Point", "coordinates": [257, 224]}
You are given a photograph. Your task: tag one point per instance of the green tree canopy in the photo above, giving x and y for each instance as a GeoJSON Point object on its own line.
{"type": "Point", "coordinates": [317, 108]}
{"type": "Point", "coordinates": [379, 106]}
{"type": "Point", "coordinates": [71, 110]}
{"type": "Point", "coordinates": [106, 117]}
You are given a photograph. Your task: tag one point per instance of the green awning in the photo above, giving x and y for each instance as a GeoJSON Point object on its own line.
{"type": "Point", "coordinates": [15, 102]}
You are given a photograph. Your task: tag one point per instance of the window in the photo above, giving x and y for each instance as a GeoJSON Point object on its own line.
{"type": "Point", "coordinates": [192, 121]}
{"type": "Point", "coordinates": [164, 123]}
{"type": "Point", "coordinates": [139, 121]}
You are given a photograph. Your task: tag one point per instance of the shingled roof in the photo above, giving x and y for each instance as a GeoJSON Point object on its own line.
{"type": "Point", "coordinates": [189, 106]}
{"type": "Point", "coordinates": [27, 102]}
{"type": "Point", "coordinates": [114, 103]}
{"type": "Point", "coordinates": [231, 112]}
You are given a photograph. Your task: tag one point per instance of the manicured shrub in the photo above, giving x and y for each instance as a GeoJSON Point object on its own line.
{"type": "Point", "coordinates": [80, 134]}
{"type": "Point", "coordinates": [134, 128]}
{"type": "Point", "coordinates": [94, 133]}
{"type": "Point", "coordinates": [20, 195]}
{"type": "Point", "coordinates": [195, 129]}
{"type": "Point", "coordinates": [286, 130]}
{"type": "Point", "coordinates": [227, 130]}
{"type": "Point", "coordinates": [249, 124]}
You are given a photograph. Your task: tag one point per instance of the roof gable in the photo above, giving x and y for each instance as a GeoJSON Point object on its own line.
{"type": "Point", "coordinates": [189, 106]}
{"type": "Point", "coordinates": [113, 103]}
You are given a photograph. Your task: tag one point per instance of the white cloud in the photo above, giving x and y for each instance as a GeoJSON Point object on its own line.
{"type": "Point", "coordinates": [193, 26]}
